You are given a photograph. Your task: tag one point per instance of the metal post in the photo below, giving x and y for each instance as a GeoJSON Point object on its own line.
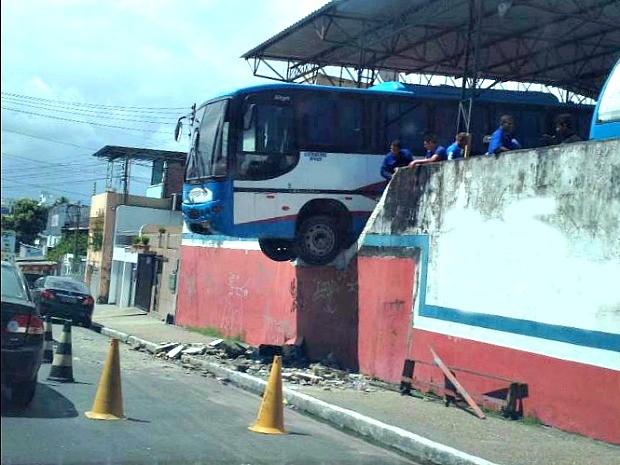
{"type": "Point", "coordinates": [75, 246]}
{"type": "Point", "coordinates": [125, 180]}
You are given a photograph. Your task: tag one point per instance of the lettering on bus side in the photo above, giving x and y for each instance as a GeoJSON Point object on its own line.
{"type": "Point", "coordinates": [282, 98]}
{"type": "Point", "coordinates": [315, 156]}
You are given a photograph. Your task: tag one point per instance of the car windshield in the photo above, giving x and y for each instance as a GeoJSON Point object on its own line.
{"type": "Point", "coordinates": [12, 285]}
{"type": "Point", "coordinates": [67, 285]}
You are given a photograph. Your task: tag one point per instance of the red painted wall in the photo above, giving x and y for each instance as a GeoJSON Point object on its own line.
{"type": "Point", "coordinates": [571, 396]}
{"type": "Point", "coordinates": [244, 294]}
{"type": "Point", "coordinates": [241, 293]}
{"type": "Point", "coordinates": [385, 303]}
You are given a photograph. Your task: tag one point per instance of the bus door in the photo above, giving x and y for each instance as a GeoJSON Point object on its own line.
{"type": "Point", "coordinates": [267, 152]}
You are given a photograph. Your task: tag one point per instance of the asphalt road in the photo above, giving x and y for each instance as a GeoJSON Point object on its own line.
{"type": "Point", "coordinates": [175, 416]}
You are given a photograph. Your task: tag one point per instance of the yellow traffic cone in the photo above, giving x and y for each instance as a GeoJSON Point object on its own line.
{"type": "Point", "coordinates": [271, 414]}
{"type": "Point", "coordinates": [108, 404]}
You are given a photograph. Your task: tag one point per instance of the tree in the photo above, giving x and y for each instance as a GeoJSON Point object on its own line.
{"type": "Point", "coordinates": [67, 245]}
{"type": "Point", "coordinates": [28, 220]}
{"type": "Point", "coordinates": [61, 200]}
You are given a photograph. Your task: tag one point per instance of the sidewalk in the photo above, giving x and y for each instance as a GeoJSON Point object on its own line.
{"type": "Point", "coordinates": [422, 428]}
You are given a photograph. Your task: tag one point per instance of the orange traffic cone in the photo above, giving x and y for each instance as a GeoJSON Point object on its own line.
{"type": "Point", "coordinates": [271, 414]}
{"type": "Point", "coordinates": [108, 404]}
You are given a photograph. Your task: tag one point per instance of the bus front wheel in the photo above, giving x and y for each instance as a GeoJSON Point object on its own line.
{"type": "Point", "coordinates": [319, 239]}
{"type": "Point", "coordinates": [279, 250]}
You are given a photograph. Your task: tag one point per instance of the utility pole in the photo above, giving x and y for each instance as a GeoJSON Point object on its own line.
{"type": "Point", "coordinates": [126, 180]}
{"type": "Point", "coordinates": [77, 232]}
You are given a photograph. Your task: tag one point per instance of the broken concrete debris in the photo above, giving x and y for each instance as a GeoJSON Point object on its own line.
{"type": "Point", "coordinates": [175, 352]}
{"type": "Point", "coordinates": [256, 361]}
{"type": "Point", "coordinates": [165, 347]}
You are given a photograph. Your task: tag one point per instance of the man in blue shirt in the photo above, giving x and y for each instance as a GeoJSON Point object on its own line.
{"type": "Point", "coordinates": [457, 149]}
{"type": "Point", "coordinates": [502, 139]}
{"type": "Point", "coordinates": [434, 151]}
{"type": "Point", "coordinates": [397, 157]}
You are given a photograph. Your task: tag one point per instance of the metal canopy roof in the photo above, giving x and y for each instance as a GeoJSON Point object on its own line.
{"type": "Point", "coordinates": [112, 152]}
{"type": "Point", "coordinates": [570, 44]}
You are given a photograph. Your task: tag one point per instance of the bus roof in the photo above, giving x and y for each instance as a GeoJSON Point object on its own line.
{"type": "Point", "coordinates": [413, 90]}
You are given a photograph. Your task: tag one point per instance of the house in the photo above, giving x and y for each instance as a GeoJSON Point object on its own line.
{"type": "Point", "coordinates": [63, 218]}
{"type": "Point", "coordinates": [115, 266]}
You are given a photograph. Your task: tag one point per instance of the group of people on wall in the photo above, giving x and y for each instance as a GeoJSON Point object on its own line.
{"type": "Point", "coordinates": [502, 140]}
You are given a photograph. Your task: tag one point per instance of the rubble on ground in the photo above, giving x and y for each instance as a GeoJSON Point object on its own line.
{"type": "Point", "coordinates": [297, 370]}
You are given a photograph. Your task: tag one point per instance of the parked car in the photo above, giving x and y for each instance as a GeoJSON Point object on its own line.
{"type": "Point", "coordinates": [22, 337]}
{"type": "Point", "coordinates": [65, 298]}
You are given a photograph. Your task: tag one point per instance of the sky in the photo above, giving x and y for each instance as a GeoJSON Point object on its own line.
{"type": "Point", "coordinates": [78, 75]}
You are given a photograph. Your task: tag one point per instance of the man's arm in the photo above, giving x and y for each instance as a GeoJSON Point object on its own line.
{"type": "Point", "coordinates": [386, 172]}
{"type": "Point", "coordinates": [423, 161]}
{"type": "Point", "coordinates": [495, 144]}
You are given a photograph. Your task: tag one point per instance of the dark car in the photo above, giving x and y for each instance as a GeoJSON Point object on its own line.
{"type": "Point", "coordinates": [22, 337]}
{"type": "Point", "coordinates": [64, 298]}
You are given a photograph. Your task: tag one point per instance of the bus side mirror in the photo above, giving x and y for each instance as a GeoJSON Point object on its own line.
{"type": "Point", "coordinates": [178, 129]}
{"type": "Point", "coordinates": [249, 116]}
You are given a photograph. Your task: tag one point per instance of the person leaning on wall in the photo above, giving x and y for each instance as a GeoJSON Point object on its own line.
{"type": "Point", "coordinates": [457, 149]}
{"type": "Point", "coordinates": [434, 151]}
{"type": "Point", "coordinates": [564, 131]}
{"type": "Point", "coordinates": [503, 140]}
{"type": "Point", "coordinates": [397, 157]}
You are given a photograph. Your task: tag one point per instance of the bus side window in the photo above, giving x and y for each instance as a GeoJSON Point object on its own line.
{"type": "Point", "coordinates": [318, 121]}
{"type": "Point", "coordinates": [350, 134]}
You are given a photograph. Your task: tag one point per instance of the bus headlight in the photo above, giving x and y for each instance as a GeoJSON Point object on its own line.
{"type": "Point", "coordinates": [200, 195]}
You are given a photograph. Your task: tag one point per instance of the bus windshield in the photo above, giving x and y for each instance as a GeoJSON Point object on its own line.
{"type": "Point", "coordinates": [208, 154]}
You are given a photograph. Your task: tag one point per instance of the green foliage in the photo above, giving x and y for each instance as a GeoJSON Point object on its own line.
{"type": "Point", "coordinates": [145, 240]}
{"type": "Point", "coordinates": [67, 245]}
{"type": "Point", "coordinates": [96, 227]}
{"type": "Point", "coordinates": [28, 220]}
{"type": "Point", "coordinates": [61, 200]}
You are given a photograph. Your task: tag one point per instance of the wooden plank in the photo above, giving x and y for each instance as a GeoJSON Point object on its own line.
{"type": "Point", "coordinates": [457, 385]}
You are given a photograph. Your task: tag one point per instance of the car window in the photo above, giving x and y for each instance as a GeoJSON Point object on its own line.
{"type": "Point", "coordinates": [67, 285]}
{"type": "Point", "coordinates": [12, 285]}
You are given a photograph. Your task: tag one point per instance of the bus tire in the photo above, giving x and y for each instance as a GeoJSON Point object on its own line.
{"type": "Point", "coordinates": [279, 250]}
{"type": "Point", "coordinates": [318, 239]}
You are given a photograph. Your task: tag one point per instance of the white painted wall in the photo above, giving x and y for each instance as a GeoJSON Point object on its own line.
{"type": "Point", "coordinates": [532, 236]}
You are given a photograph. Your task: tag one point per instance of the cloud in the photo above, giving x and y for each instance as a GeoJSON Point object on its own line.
{"type": "Point", "coordinates": [128, 53]}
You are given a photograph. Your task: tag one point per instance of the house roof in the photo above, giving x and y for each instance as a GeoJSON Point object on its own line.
{"type": "Point", "coordinates": [571, 44]}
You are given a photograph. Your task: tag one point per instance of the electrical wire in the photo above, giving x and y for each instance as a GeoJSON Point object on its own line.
{"type": "Point", "coordinates": [92, 105]}
{"type": "Point", "coordinates": [83, 122]}
{"type": "Point", "coordinates": [97, 114]}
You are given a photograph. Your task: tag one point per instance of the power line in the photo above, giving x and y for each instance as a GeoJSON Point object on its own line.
{"type": "Point", "coordinates": [81, 113]}
{"type": "Point", "coordinates": [66, 164]}
{"type": "Point", "coordinates": [49, 140]}
{"type": "Point", "coordinates": [43, 187]}
{"type": "Point", "coordinates": [92, 105]}
{"type": "Point", "coordinates": [82, 122]}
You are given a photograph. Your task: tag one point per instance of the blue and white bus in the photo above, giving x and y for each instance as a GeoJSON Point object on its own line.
{"type": "Point", "coordinates": [606, 118]}
{"type": "Point", "coordinates": [298, 166]}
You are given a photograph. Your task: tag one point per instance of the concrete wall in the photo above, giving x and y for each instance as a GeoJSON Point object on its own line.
{"type": "Point", "coordinates": [507, 266]}
{"type": "Point", "coordinates": [231, 286]}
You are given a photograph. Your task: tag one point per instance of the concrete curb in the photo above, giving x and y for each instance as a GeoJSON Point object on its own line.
{"type": "Point", "coordinates": [376, 431]}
